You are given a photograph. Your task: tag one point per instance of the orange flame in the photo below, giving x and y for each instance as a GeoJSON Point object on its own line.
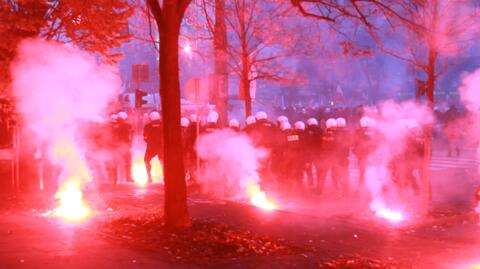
{"type": "Point", "coordinates": [389, 214]}
{"type": "Point", "coordinates": [382, 211]}
{"type": "Point", "coordinates": [258, 197]}
{"type": "Point", "coordinates": [139, 172]}
{"type": "Point", "coordinates": [72, 206]}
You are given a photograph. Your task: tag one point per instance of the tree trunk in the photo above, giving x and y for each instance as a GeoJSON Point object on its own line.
{"type": "Point", "coordinates": [221, 67]}
{"type": "Point", "coordinates": [168, 23]}
{"type": "Point", "coordinates": [428, 130]}
{"type": "Point", "coordinates": [244, 74]}
{"type": "Point", "coordinates": [245, 82]}
{"type": "Point", "coordinates": [248, 98]}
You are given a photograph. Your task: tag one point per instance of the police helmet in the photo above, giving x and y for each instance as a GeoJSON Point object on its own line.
{"type": "Point", "coordinates": [330, 123]}
{"type": "Point", "coordinates": [364, 122]}
{"type": "Point", "coordinates": [285, 126]}
{"type": "Point", "coordinates": [184, 122]}
{"type": "Point", "coordinates": [282, 118]}
{"type": "Point", "coordinates": [312, 121]}
{"type": "Point", "coordinates": [122, 115]}
{"type": "Point", "coordinates": [193, 117]}
{"type": "Point", "coordinates": [250, 120]}
{"type": "Point", "coordinates": [341, 122]}
{"type": "Point", "coordinates": [154, 115]}
{"type": "Point", "coordinates": [299, 125]}
{"type": "Point", "coordinates": [261, 115]}
{"type": "Point", "coordinates": [212, 117]}
{"type": "Point", "coordinates": [233, 123]}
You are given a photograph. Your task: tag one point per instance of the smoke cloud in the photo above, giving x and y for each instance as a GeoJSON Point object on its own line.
{"type": "Point", "coordinates": [231, 163]}
{"type": "Point", "coordinates": [469, 93]}
{"type": "Point", "coordinates": [58, 88]}
{"type": "Point", "coordinates": [395, 124]}
{"type": "Point", "coordinates": [470, 97]}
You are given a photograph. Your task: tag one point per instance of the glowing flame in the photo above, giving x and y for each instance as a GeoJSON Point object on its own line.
{"type": "Point", "coordinates": [258, 197]}
{"type": "Point", "coordinates": [383, 212]}
{"type": "Point", "coordinates": [139, 172]}
{"type": "Point", "coordinates": [389, 214]}
{"type": "Point", "coordinates": [71, 205]}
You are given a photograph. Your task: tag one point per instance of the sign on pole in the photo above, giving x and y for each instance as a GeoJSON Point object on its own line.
{"type": "Point", "coordinates": [197, 89]}
{"type": "Point", "coordinates": [140, 73]}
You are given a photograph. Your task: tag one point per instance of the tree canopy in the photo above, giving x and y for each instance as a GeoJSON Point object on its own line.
{"type": "Point", "coordinates": [94, 25]}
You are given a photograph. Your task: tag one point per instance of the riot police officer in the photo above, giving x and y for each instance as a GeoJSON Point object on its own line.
{"type": "Point", "coordinates": [249, 123]}
{"type": "Point", "coordinates": [190, 150]}
{"type": "Point", "coordinates": [212, 123]}
{"type": "Point", "coordinates": [263, 133]}
{"type": "Point", "coordinates": [124, 134]}
{"type": "Point", "coordinates": [234, 125]}
{"type": "Point", "coordinates": [280, 120]}
{"type": "Point", "coordinates": [313, 139]}
{"type": "Point", "coordinates": [290, 171]}
{"type": "Point", "coordinates": [327, 156]}
{"type": "Point", "coordinates": [365, 143]}
{"type": "Point", "coordinates": [301, 158]}
{"type": "Point", "coordinates": [411, 157]}
{"type": "Point", "coordinates": [152, 135]}
{"type": "Point", "coordinates": [184, 124]}
{"type": "Point", "coordinates": [340, 172]}
{"type": "Point", "coordinates": [111, 147]}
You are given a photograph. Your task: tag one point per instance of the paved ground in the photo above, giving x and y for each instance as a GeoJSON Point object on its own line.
{"type": "Point", "coordinates": [28, 240]}
{"type": "Point", "coordinates": [443, 239]}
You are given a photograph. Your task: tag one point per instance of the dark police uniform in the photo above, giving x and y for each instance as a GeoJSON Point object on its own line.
{"type": "Point", "coordinates": [152, 134]}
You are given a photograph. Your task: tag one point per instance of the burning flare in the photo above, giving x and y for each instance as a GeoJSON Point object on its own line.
{"type": "Point", "coordinates": [75, 174]}
{"type": "Point", "coordinates": [389, 214]}
{"type": "Point", "coordinates": [139, 172]}
{"type": "Point", "coordinates": [71, 205]}
{"type": "Point", "coordinates": [258, 197]}
{"type": "Point", "coordinates": [383, 212]}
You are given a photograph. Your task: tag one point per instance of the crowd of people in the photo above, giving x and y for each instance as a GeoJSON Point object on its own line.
{"type": "Point", "coordinates": [305, 150]}
{"type": "Point", "coordinates": [304, 155]}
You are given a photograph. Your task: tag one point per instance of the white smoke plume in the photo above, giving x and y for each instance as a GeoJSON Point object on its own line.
{"type": "Point", "coordinates": [231, 162]}
{"type": "Point", "coordinates": [470, 97]}
{"type": "Point", "coordinates": [58, 88]}
{"type": "Point", "coordinates": [394, 123]}
{"type": "Point", "coordinates": [469, 93]}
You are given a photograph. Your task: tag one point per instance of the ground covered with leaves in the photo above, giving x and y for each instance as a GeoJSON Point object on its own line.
{"type": "Point", "coordinates": [210, 243]}
{"type": "Point", "coordinates": [356, 263]}
{"type": "Point", "coordinates": [205, 242]}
